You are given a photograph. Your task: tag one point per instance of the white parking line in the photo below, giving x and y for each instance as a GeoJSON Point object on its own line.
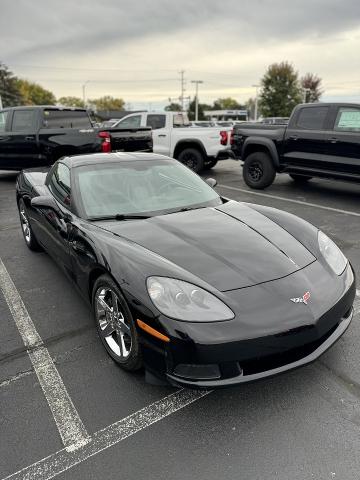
{"type": "Point", "coordinates": [72, 431]}
{"type": "Point", "coordinates": [63, 460]}
{"type": "Point", "coordinates": [357, 303]}
{"type": "Point", "coordinates": [292, 200]}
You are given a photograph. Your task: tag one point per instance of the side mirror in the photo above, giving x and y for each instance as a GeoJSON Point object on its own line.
{"type": "Point", "coordinates": [47, 201]}
{"type": "Point", "coordinates": [211, 181]}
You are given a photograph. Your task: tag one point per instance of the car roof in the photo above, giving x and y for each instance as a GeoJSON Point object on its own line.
{"type": "Point", "coordinates": [329, 104]}
{"type": "Point", "coordinates": [115, 157]}
{"type": "Point", "coordinates": [43, 107]}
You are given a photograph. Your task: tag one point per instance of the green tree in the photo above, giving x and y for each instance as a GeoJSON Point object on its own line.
{"type": "Point", "coordinates": [201, 108]}
{"type": "Point", "coordinates": [173, 107]}
{"type": "Point", "coordinates": [35, 94]}
{"type": "Point", "coordinates": [227, 103]}
{"type": "Point", "coordinates": [108, 103]}
{"type": "Point", "coordinates": [280, 90]}
{"type": "Point", "coordinates": [311, 85]}
{"type": "Point", "coordinates": [9, 89]}
{"type": "Point", "coordinates": [71, 102]}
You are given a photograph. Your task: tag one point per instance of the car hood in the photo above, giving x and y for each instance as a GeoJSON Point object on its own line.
{"type": "Point", "coordinates": [229, 247]}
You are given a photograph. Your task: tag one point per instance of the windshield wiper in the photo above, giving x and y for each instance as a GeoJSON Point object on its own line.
{"type": "Point", "coordinates": [184, 209]}
{"type": "Point", "coordinates": [119, 217]}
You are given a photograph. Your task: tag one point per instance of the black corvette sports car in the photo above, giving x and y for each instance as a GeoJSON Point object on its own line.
{"type": "Point", "coordinates": [202, 290]}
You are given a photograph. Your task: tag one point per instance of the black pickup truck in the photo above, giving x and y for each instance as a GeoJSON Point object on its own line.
{"type": "Point", "coordinates": [37, 136]}
{"type": "Point", "coordinates": [321, 140]}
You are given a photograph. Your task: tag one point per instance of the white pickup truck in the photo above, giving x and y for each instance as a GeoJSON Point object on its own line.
{"type": "Point", "coordinates": [198, 148]}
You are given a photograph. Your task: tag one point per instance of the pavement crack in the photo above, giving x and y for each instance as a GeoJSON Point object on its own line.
{"type": "Point", "coordinates": [346, 382]}
{"type": "Point", "coordinates": [16, 377]}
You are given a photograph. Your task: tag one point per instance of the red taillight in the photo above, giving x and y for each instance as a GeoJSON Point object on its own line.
{"type": "Point", "coordinates": [224, 137]}
{"type": "Point", "coordinates": [232, 137]}
{"type": "Point", "coordinates": [106, 142]}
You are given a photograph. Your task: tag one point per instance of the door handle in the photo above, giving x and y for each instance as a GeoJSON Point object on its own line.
{"type": "Point", "coordinates": [332, 140]}
{"type": "Point", "coordinates": [29, 138]}
{"type": "Point", "coordinates": [161, 135]}
{"type": "Point", "coordinates": [294, 137]}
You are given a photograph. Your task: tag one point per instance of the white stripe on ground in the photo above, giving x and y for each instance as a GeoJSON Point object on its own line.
{"type": "Point", "coordinates": [72, 431]}
{"type": "Point", "coordinates": [357, 303]}
{"type": "Point", "coordinates": [292, 200]}
{"type": "Point", "coordinates": [63, 460]}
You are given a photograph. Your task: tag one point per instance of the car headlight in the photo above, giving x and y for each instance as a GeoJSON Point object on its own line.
{"type": "Point", "coordinates": [332, 253]}
{"type": "Point", "coordinates": [184, 301]}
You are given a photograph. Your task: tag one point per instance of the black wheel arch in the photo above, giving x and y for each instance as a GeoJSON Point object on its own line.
{"type": "Point", "coordinates": [265, 145]}
{"type": "Point", "coordinates": [189, 143]}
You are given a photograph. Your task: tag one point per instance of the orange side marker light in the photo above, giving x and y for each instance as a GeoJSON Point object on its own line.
{"type": "Point", "coordinates": [151, 331]}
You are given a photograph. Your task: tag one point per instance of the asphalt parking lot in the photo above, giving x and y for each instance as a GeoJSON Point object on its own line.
{"type": "Point", "coordinates": [301, 425]}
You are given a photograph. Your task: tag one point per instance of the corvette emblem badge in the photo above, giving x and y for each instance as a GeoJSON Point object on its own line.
{"type": "Point", "coordinates": [304, 299]}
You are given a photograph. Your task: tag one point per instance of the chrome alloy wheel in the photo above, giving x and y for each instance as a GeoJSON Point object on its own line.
{"type": "Point", "coordinates": [25, 223]}
{"type": "Point", "coordinates": [113, 327]}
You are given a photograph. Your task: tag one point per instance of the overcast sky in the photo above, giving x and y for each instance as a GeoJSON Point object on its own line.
{"type": "Point", "coordinates": [135, 49]}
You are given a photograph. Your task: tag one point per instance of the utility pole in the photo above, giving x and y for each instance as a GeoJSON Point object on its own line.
{"type": "Point", "coordinates": [256, 102]}
{"type": "Point", "coordinates": [83, 91]}
{"type": "Point", "coordinates": [197, 82]}
{"type": "Point", "coordinates": [307, 92]}
{"type": "Point", "coordinates": [1, 105]}
{"type": "Point", "coordinates": [182, 96]}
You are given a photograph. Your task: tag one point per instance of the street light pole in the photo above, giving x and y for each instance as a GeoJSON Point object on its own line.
{"type": "Point", "coordinates": [256, 102]}
{"type": "Point", "coordinates": [197, 82]}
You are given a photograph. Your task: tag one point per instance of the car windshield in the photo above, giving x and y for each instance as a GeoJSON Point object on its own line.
{"type": "Point", "coordinates": [151, 187]}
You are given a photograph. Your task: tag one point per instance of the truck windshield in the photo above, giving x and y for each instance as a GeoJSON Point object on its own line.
{"type": "Point", "coordinates": [140, 187]}
{"type": "Point", "coordinates": [66, 119]}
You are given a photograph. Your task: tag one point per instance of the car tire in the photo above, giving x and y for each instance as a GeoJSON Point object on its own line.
{"type": "Point", "coordinates": [192, 158]}
{"type": "Point", "coordinates": [28, 234]}
{"type": "Point", "coordinates": [300, 178]}
{"type": "Point", "coordinates": [112, 324]}
{"type": "Point", "coordinates": [210, 164]}
{"type": "Point", "coordinates": [258, 170]}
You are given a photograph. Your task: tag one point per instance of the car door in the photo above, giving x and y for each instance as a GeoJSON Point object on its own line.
{"type": "Point", "coordinates": [21, 141]}
{"type": "Point", "coordinates": [305, 137]}
{"type": "Point", "coordinates": [161, 134]}
{"type": "Point", "coordinates": [343, 140]}
{"type": "Point", "coordinates": [55, 226]}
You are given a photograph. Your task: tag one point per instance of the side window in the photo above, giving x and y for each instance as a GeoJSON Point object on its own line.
{"type": "Point", "coordinates": [3, 117]}
{"type": "Point", "coordinates": [312, 118]}
{"type": "Point", "coordinates": [131, 122]}
{"type": "Point", "coordinates": [156, 121]}
{"type": "Point", "coordinates": [60, 185]}
{"type": "Point", "coordinates": [348, 120]}
{"type": "Point", "coordinates": [23, 121]}
{"type": "Point", "coordinates": [66, 119]}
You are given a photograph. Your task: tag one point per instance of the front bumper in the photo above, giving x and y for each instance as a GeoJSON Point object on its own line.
{"type": "Point", "coordinates": [272, 338]}
{"type": "Point", "coordinates": [324, 345]}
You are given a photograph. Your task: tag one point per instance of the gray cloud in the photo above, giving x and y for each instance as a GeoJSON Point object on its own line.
{"type": "Point", "coordinates": [40, 29]}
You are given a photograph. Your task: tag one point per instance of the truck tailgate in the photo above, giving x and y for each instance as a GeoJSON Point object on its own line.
{"type": "Point", "coordinates": [131, 139]}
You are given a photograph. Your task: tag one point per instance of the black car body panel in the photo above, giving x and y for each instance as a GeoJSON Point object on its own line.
{"type": "Point", "coordinates": [254, 259]}
{"type": "Point", "coordinates": [29, 139]}
{"type": "Point", "coordinates": [321, 139]}
{"type": "Point", "coordinates": [228, 247]}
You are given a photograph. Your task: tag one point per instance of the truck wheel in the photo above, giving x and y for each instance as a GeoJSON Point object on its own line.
{"type": "Point", "coordinates": [258, 170]}
{"type": "Point", "coordinates": [210, 164]}
{"type": "Point", "coordinates": [192, 158]}
{"type": "Point", "coordinates": [300, 178]}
